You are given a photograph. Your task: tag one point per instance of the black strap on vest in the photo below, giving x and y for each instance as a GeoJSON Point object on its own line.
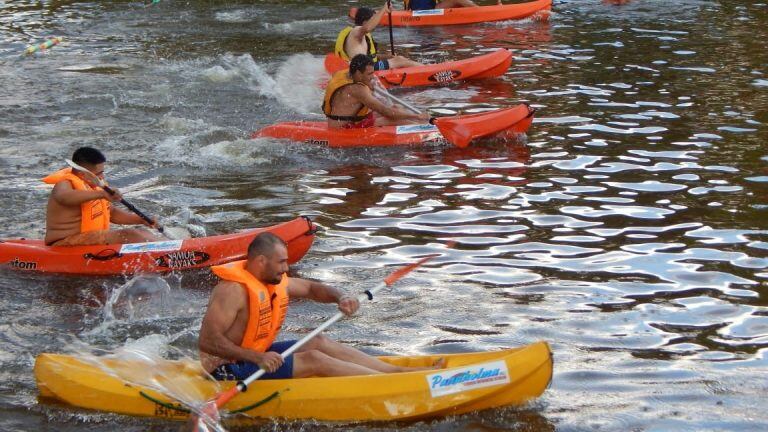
{"type": "Point", "coordinates": [346, 118]}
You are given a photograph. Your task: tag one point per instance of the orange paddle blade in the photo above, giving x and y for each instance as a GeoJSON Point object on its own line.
{"type": "Point", "coordinates": [398, 274]}
{"type": "Point", "coordinates": [334, 63]}
{"type": "Point", "coordinates": [461, 130]}
{"type": "Point", "coordinates": [207, 421]}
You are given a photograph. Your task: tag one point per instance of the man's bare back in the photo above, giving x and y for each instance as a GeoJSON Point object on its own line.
{"type": "Point", "coordinates": [237, 300]}
{"type": "Point", "coordinates": [61, 221]}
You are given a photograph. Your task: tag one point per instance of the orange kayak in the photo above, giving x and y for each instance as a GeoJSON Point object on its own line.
{"type": "Point", "coordinates": [538, 9]}
{"type": "Point", "coordinates": [488, 65]}
{"type": "Point", "coordinates": [154, 257]}
{"type": "Point", "coordinates": [462, 129]}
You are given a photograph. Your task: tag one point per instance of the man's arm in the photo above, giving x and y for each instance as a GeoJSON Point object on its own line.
{"type": "Point", "coordinates": [364, 95]}
{"type": "Point", "coordinates": [64, 194]}
{"type": "Point", "coordinates": [122, 217]}
{"type": "Point", "coordinates": [227, 300]}
{"type": "Point", "coordinates": [320, 292]}
{"type": "Point", "coordinates": [371, 24]}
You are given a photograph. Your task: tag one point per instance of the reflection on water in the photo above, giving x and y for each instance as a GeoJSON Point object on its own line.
{"type": "Point", "coordinates": [628, 228]}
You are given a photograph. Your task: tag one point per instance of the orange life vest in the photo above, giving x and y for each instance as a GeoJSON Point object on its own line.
{"type": "Point", "coordinates": [338, 80]}
{"type": "Point", "coordinates": [94, 214]}
{"type": "Point", "coordinates": [267, 305]}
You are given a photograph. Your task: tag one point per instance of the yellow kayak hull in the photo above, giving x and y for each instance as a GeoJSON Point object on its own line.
{"type": "Point", "coordinates": [470, 382]}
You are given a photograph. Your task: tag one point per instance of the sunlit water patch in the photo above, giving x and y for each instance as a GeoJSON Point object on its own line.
{"type": "Point", "coordinates": [629, 231]}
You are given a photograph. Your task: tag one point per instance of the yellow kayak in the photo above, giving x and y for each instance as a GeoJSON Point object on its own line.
{"type": "Point", "coordinates": [469, 382]}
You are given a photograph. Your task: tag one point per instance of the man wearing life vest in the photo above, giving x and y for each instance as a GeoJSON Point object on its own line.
{"type": "Point", "coordinates": [352, 41]}
{"type": "Point", "coordinates": [349, 101]}
{"type": "Point", "coordinates": [433, 4]}
{"type": "Point", "coordinates": [247, 309]}
{"type": "Point", "coordinates": [79, 213]}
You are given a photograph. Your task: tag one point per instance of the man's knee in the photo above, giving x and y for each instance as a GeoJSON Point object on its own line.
{"type": "Point", "coordinates": [400, 62]}
{"type": "Point", "coordinates": [134, 235]}
{"type": "Point", "coordinates": [314, 361]}
{"type": "Point", "coordinates": [316, 343]}
{"type": "Point", "coordinates": [322, 341]}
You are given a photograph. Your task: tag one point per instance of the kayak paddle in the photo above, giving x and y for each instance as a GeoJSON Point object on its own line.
{"type": "Point", "coordinates": [334, 63]}
{"type": "Point", "coordinates": [102, 184]}
{"type": "Point", "coordinates": [391, 38]}
{"type": "Point", "coordinates": [210, 410]}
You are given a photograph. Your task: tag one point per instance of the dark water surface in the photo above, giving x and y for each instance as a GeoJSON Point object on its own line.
{"type": "Point", "coordinates": [630, 231]}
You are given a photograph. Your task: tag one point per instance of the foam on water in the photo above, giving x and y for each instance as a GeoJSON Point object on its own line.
{"type": "Point", "coordinates": [236, 16]}
{"type": "Point", "coordinates": [301, 25]}
{"type": "Point", "coordinates": [296, 83]}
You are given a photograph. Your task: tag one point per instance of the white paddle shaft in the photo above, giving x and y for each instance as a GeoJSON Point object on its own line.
{"type": "Point", "coordinates": [309, 336]}
{"type": "Point", "coordinates": [398, 100]}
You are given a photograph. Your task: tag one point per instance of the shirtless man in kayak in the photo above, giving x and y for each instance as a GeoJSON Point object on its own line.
{"type": "Point", "coordinates": [247, 309]}
{"type": "Point", "coordinates": [79, 212]}
{"type": "Point", "coordinates": [434, 4]}
{"type": "Point", "coordinates": [349, 102]}
{"type": "Point", "coordinates": [358, 40]}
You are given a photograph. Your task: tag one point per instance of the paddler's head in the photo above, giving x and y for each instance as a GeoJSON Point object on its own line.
{"type": "Point", "coordinates": [363, 14]}
{"type": "Point", "coordinates": [361, 69]}
{"type": "Point", "coordinates": [90, 159]}
{"type": "Point", "coordinates": [267, 258]}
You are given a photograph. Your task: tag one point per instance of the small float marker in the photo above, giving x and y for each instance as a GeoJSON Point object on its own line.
{"type": "Point", "coordinates": [43, 46]}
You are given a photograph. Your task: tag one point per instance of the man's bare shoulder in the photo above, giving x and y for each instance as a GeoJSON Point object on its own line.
{"type": "Point", "coordinates": [358, 91]}
{"type": "Point", "coordinates": [62, 186]}
{"type": "Point", "coordinates": [60, 191]}
{"type": "Point", "coordinates": [228, 291]}
{"type": "Point", "coordinates": [358, 32]}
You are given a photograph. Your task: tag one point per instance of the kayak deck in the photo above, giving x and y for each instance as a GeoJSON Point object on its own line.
{"type": "Point", "coordinates": [488, 65]}
{"type": "Point", "coordinates": [153, 257]}
{"type": "Point", "coordinates": [318, 133]}
{"type": "Point", "coordinates": [470, 382]}
{"type": "Point", "coordinates": [538, 9]}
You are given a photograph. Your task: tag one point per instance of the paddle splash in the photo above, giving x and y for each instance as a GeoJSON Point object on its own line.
{"type": "Point", "coordinates": [141, 296]}
{"type": "Point", "coordinates": [145, 363]}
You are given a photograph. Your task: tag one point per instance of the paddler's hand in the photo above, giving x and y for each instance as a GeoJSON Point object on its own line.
{"type": "Point", "coordinates": [151, 225]}
{"type": "Point", "coordinates": [386, 8]}
{"type": "Point", "coordinates": [423, 117]}
{"type": "Point", "coordinates": [269, 361]}
{"type": "Point", "coordinates": [115, 196]}
{"type": "Point", "coordinates": [348, 304]}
